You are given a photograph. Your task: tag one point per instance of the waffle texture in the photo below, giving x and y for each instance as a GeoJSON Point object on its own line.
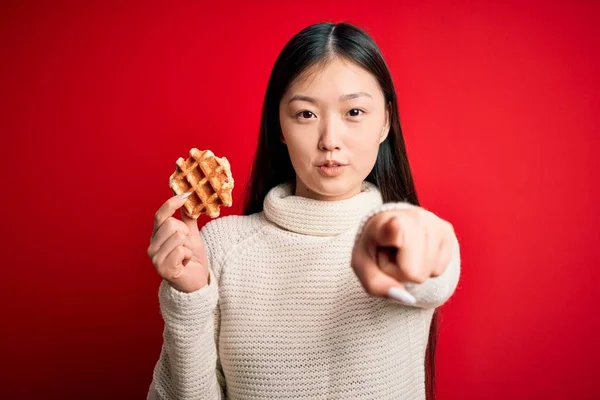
{"type": "Point", "coordinates": [285, 317]}
{"type": "Point", "coordinates": [208, 178]}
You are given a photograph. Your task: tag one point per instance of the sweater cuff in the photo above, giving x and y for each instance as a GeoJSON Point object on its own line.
{"type": "Point", "coordinates": [198, 305]}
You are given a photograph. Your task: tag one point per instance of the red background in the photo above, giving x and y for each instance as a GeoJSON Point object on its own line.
{"type": "Point", "coordinates": [499, 103]}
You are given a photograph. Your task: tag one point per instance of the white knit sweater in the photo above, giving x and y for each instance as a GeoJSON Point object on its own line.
{"type": "Point", "coordinates": [285, 317]}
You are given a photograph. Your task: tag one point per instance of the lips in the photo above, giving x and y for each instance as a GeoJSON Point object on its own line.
{"type": "Point", "coordinates": [331, 163]}
{"type": "Point", "coordinates": [331, 168]}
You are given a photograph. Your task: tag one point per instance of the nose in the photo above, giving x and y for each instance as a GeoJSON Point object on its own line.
{"type": "Point", "coordinates": [330, 138]}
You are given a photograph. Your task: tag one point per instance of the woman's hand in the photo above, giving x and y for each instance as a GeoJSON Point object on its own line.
{"type": "Point", "coordinates": [176, 248]}
{"type": "Point", "coordinates": [398, 246]}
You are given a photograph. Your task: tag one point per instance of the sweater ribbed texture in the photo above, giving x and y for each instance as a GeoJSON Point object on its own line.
{"type": "Point", "coordinates": [285, 317]}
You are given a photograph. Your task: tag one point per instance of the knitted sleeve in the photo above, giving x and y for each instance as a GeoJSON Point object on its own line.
{"type": "Point", "coordinates": [188, 366]}
{"type": "Point", "coordinates": [434, 291]}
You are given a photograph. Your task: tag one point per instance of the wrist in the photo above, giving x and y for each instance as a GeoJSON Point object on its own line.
{"type": "Point", "coordinates": [190, 288]}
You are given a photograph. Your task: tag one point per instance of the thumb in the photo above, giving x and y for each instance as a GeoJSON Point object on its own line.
{"type": "Point", "coordinates": [388, 283]}
{"type": "Point", "coordinates": [375, 281]}
{"type": "Point", "coordinates": [385, 285]}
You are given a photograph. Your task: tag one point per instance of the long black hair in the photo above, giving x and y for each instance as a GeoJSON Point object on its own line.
{"type": "Point", "coordinates": [272, 166]}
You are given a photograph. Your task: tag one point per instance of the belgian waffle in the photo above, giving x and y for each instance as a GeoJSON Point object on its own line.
{"type": "Point", "coordinates": [208, 178]}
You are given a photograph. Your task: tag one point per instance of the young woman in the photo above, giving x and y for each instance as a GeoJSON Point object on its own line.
{"type": "Point", "coordinates": [326, 287]}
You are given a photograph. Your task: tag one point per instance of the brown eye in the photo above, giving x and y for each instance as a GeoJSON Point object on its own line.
{"type": "Point", "coordinates": [355, 112]}
{"type": "Point", "coordinates": [305, 114]}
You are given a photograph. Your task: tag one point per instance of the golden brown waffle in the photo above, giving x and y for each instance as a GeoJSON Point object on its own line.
{"type": "Point", "coordinates": [208, 178]}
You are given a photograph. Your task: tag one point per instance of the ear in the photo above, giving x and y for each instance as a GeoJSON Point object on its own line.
{"type": "Point", "coordinates": [386, 127]}
{"type": "Point", "coordinates": [282, 139]}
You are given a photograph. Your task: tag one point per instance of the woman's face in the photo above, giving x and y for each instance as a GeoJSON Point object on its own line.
{"type": "Point", "coordinates": [333, 119]}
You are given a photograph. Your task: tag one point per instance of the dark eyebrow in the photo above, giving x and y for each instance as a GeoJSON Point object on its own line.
{"type": "Point", "coordinates": [300, 97]}
{"type": "Point", "coordinates": [354, 96]}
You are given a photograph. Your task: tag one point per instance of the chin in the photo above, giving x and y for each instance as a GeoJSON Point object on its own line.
{"type": "Point", "coordinates": [334, 189]}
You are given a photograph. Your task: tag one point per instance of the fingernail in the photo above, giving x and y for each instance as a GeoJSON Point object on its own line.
{"type": "Point", "coordinates": [401, 295]}
{"type": "Point", "coordinates": [185, 195]}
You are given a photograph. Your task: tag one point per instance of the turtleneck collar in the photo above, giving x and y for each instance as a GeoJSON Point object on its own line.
{"type": "Point", "coordinates": [318, 217]}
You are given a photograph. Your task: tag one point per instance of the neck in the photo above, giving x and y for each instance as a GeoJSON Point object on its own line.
{"type": "Point", "coordinates": [301, 190]}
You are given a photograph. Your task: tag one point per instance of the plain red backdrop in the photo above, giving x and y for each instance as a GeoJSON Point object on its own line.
{"type": "Point", "coordinates": [499, 102]}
